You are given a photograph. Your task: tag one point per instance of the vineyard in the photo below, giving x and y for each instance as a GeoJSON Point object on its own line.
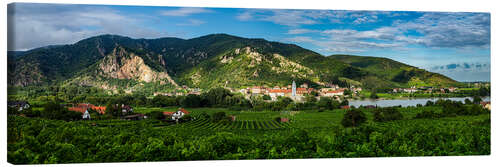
{"type": "Point", "coordinates": [252, 135]}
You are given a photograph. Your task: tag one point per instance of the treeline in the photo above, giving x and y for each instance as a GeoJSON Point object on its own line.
{"type": "Point", "coordinates": [51, 110]}
{"type": "Point", "coordinates": [223, 98]}
{"type": "Point", "coordinates": [452, 108]}
{"type": "Point", "coordinates": [441, 108]}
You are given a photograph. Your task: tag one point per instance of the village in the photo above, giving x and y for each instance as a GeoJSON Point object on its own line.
{"type": "Point", "coordinates": [298, 93]}
{"type": "Point", "coordinates": [292, 91]}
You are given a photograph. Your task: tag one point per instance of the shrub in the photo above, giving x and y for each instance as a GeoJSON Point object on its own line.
{"type": "Point", "coordinates": [277, 119]}
{"type": "Point", "coordinates": [428, 114]}
{"type": "Point", "coordinates": [353, 117]}
{"type": "Point", "coordinates": [219, 116]}
{"type": "Point", "coordinates": [156, 115]}
{"type": "Point", "coordinates": [266, 97]}
{"type": "Point", "coordinates": [204, 115]}
{"type": "Point", "coordinates": [387, 114]}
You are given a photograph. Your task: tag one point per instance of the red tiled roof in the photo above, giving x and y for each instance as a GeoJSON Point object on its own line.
{"type": "Point", "coordinates": [301, 89]}
{"type": "Point", "coordinates": [77, 109]}
{"type": "Point", "coordinates": [184, 111]}
{"type": "Point", "coordinates": [168, 113]}
{"type": "Point", "coordinates": [81, 107]}
{"type": "Point", "coordinates": [280, 91]}
{"type": "Point", "coordinates": [335, 91]}
{"type": "Point", "coordinates": [345, 107]}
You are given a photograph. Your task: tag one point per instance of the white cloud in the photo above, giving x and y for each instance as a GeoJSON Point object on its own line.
{"type": "Point", "coordinates": [38, 25]}
{"type": "Point", "coordinates": [300, 39]}
{"type": "Point", "coordinates": [301, 31]}
{"type": "Point", "coordinates": [245, 16]}
{"type": "Point", "coordinates": [452, 30]}
{"type": "Point", "coordinates": [184, 11]}
{"type": "Point", "coordinates": [192, 22]}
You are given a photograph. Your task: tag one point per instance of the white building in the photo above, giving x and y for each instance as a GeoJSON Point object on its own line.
{"type": "Point", "coordinates": [86, 115]}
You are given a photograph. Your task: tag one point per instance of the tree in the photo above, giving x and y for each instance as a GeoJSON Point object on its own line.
{"type": "Point", "coordinates": [430, 103]}
{"type": "Point", "coordinates": [156, 115]}
{"type": "Point", "coordinates": [373, 94]}
{"type": "Point", "coordinates": [467, 101]}
{"type": "Point", "coordinates": [325, 103]}
{"type": "Point", "coordinates": [387, 114]}
{"type": "Point", "coordinates": [114, 110]}
{"type": "Point", "coordinates": [347, 92]}
{"type": "Point", "coordinates": [353, 118]}
{"type": "Point", "coordinates": [191, 101]}
{"type": "Point", "coordinates": [344, 102]}
{"type": "Point", "coordinates": [483, 91]}
{"type": "Point", "coordinates": [216, 96]}
{"type": "Point", "coordinates": [311, 99]}
{"type": "Point", "coordinates": [477, 100]}
{"type": "Point", "coordinates": [219, 116]}
{"type": "Point", "coordinates": [266, 97]}
{"type": "Point", "coordinates": [53, 110]}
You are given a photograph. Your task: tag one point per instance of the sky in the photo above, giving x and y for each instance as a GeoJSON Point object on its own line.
{"type": "Point", "coordinates": [456, 44]}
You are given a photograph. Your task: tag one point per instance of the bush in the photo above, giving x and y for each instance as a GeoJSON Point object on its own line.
{"type": "Point", "coordinates": [266, 97]}
{"type": "Point", "coordinates": [12, 111]}
{"type": "Point", "coordinates": [53, 110]}
{"type": "Point", "coordinates": [204, 115]}
{"type": "Point", "coordinates": [428, 114]}
{"type": "Point", "coordinates": [353, 117]}
{"type": "Point", "coordinates": [429, 103]}
{"type": "Point", "coordinates": [156, 115]}
{"type": "Point", "coordinates": [277, 119]}
{"type": "Point", "coordinates": [477, 100]}
{"type": "Point", "coordinates": [387, 114]}
{"type": "Point", "coordinates": [219, 116]}
{"type": "Point", "coordinates": [374, 95]}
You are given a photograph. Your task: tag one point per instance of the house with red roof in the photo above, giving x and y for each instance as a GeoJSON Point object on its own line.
{"type": "Point", "coordinates": [332, 93]}
{"type": "Point", "coordinates": [177, 114]}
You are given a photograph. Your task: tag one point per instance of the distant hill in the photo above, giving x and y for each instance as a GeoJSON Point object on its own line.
{"type": "Point", "coordinates": [117, 62]}
{"type": "Point", "coordinates": [398, 73]}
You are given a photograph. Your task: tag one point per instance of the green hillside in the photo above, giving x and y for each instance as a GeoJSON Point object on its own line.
{"type": "Point", "coordinates": [205, 62]}
{"type": "Point", "coordinates": [394, 72]}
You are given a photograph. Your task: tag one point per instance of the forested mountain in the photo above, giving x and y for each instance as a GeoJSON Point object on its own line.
{"type": "Point", "coordinates": [388, 70]}
{"type": "Point", "coordinates": [117, 62]}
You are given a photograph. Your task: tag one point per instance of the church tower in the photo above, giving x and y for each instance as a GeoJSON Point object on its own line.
{"type": "Point", "coordinates": [294, 89]}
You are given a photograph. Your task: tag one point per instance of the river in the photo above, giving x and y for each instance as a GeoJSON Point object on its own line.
{"type": "Point", "coordinates": [405, 102]}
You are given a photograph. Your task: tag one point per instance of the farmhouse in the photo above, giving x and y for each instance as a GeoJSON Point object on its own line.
{"type": "Point", "coordinates": [274, 93]}
{"type": "Point", "coordinates": [127, 109]}
{"type": "Point", "coordinates": [176, 115]}
{"type": "Point", "coordinates": [19, 104]}
{"type": "Point", "coordinates": [486, 105]}
{"type": "Point", "coordinates": [258, 90]}
{"type": "Point", "coordinates": [83, 107]}
{"type": "Point", "coordinates": [409, 90]}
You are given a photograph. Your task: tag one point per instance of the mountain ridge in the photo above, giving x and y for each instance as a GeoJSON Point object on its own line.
{"type": "Point", "coordinates": [211, 61]}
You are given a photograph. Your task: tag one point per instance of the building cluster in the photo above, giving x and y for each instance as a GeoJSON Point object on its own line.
{"type": "Point", "coordinates": [296, 93]}
{"type": "Point", "coordinates": [85, 107]}
{"type": "Point", "coordinates": [20, 105]}
{"type": "Point", "coordinates": [425, 89]}
{"type": "Point", "coordinates": [181, 112]}
{"type": "Point", "coordinates": [292, 91]}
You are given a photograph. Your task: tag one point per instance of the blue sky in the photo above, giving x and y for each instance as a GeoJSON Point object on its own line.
{"type": "Point", "coordinates": [428, 40]}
